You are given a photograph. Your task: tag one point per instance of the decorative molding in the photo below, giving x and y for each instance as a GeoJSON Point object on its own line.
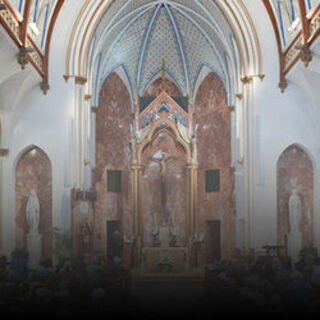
{"type": "Point", "coordinates": [246, 79]}
{"type": "Point", "coordinates": [283, 85]}
{"type": "Point", "coordinates": [45, 87]}
{"type": "Point", "coordinates": [22, 58]}
{"type": "Point", "coordinates": [249, 78]}
{"type": "Point", "coordinates": [239, 96]}
{"type": "Point", "coordinates": [306, 55]}
{"type": "Point", "coordinates": [4, 152]}
{"type": "Point", "coordinates": [87, 97]}
{"type": "Point", "coordinates": [81, 80]}
{"type": "Point", "coordinates": [66, 77]}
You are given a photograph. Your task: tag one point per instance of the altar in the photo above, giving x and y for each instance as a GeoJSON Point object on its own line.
{"type": "Point", "coordinates": [168, 260]}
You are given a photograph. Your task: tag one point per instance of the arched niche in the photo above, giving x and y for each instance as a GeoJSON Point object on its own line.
{"type": "Point", "coordinates": [113, 118]}
{"type": "Point", "coordinates": [295, 167]}
{"type": "Point", "coordinates": [34, 172]}
{"type": "Point", "coordinates": [216, 206]}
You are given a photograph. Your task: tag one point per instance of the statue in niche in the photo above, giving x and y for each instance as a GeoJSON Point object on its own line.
{"type": "Point", "coordinates": [86, 231]}
{"type": "Point", "coordinates": [294, 236]}
{"type": "Point", "coordinates": [33, 213]}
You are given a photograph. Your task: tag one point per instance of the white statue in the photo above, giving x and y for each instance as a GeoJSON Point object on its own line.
{"type": "Point", "coordinates": [294, 235]}
{"type": "Point", "coordinates": [34, 239]}
{"type": "Point", "coordinates": [33, 213]}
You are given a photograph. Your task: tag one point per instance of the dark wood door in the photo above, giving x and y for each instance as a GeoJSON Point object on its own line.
{"type": "Point", "coordinates": [214, 245]}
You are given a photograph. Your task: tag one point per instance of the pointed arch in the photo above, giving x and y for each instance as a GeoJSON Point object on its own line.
{"type": "Point", "coordinates": [171, 130]}
{"type": "Point", "coordinates": [295, 171]}
{"type": "Point", "coordinates": [33, 171]}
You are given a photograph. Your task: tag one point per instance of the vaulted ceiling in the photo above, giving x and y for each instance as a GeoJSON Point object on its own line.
{"type": "Point", "coordinates": [145, 36]}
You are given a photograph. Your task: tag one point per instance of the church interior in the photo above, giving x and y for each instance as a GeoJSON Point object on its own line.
{"type": "Point", "coordinates": [173, 140]}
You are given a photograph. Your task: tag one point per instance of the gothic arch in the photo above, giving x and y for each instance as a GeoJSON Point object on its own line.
{"type": "Point", "coordinates": [33, 171]}
{"type": "Point", "coordinates": [293, 164]}
{"type": "Point", "coordinates": [171, 130]}
{"type": "Point", "coordinates": [302, 147]}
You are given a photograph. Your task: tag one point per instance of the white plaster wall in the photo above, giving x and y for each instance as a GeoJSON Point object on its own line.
{"type": "Point", "coordinates": [44, 121]}
{"type": "Point", "coordinates": [279, 120]}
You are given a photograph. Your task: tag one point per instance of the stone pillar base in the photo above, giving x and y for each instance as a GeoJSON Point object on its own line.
{"type": "Point", "coordinates": [34, 250]}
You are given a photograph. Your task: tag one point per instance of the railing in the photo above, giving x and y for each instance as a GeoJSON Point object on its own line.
{"type": "Point", "coordinates": [295, 50]}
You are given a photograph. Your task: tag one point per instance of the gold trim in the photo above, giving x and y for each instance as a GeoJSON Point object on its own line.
{"type": "Point", "coordinates": [246, 79]}
{"type": "Point", "coordinates": [239, 96]}
{"type": "Point", "coordinates": [231, 108]}
{"type": "Point", "coordinates": [87, 97]}
{"type": "Point", "coordinates": [283, 85]}
{"type": "Point", "coordinates": [81, 80]}
{"type": "Point", "coordinates": [66, 78]}
{"type": "Point", "coordinates": [94, 109]}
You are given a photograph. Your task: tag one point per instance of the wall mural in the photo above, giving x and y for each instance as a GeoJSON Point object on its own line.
{"type": "Point", "coordinates": [295, 201]}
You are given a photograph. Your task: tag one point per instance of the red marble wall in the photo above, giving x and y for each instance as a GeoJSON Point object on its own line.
{"type": "Point", "coordinates": [214, 152]}
{"type": "Point", "coordinates": [175, 180]}
{"type": "Point", "coordinates": [33, 172]}
{"type": "Point", "coordinates": [156, 87]}
{"type": "Point", "coordinates": [295, 163]}
{"type": "Point", "coordinates": [112, 152]}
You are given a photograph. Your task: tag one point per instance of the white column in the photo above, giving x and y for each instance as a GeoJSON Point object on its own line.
{"type": "Point", "coordinates": [79, 133]}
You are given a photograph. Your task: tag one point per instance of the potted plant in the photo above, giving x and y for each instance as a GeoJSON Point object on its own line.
{"type": "Point", "coordinates": [308, 255]}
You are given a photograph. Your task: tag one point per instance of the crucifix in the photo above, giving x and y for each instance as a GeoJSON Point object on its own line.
{"type": "Point", "coordinates": [163, 168]}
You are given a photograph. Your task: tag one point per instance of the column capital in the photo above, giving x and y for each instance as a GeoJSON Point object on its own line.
{"type": "Point", "coordinates": [81, 80]}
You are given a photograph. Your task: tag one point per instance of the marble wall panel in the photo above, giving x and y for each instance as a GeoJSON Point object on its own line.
{"type": "Point", "coordinates": [113, 118]}
{"type": "Point", "coordinates": [294, 163]}
{"type": "Point", "coordinates": [34, 172]}
{"type": "Point", "coordinates": [156, 87]}
{"type": "Point", "coordinates": [214, 152]}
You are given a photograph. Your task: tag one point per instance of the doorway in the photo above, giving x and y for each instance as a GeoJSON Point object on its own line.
{"type": "Point", "coordinates": [214, 241]}
{"type": "Point", "coordinates": [114, 240]}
